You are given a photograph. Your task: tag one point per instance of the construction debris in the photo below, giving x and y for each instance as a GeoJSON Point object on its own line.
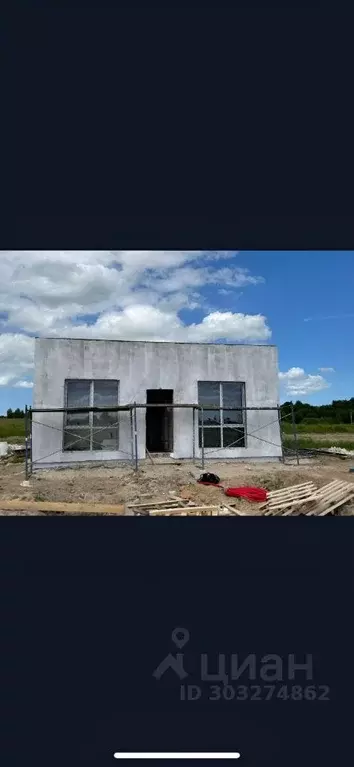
{"type": "Point", "coordinates": [304, 498]}
{"type": "Point", "coordinates": [178, 506]}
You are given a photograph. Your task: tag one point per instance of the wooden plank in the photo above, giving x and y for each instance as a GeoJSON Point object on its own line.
{"type": "Point", "coordinates": [286, 504]}
{"type": "Point", "coordinates": [333, 501]}
{"type": "Point", "coordinates": [153, 504]}
{"type": "Point", "coordinates": [66, 508]}
{"type": "Point", "coordinates": [275, 493]}
{"type": "Point", "coordinates": [316, 496]}
{"type": "Point", "coordinates": [291, 494]}
{"type": "Point", "coordinates": [323, 502]}
{"type": "Point", "coordinates": [339, 503]}
{"type": "Point", "coordinates": [189, 510]}
{"type": "Point", "coordinates": [327, 498]}
{"type": "Point", "coordinates": [335, 494]}
{"type": "Point", "coordinates": [325, 489]}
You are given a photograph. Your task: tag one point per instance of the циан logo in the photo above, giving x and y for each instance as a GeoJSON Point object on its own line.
{"type": "Point", "coordinates": [267, 670]}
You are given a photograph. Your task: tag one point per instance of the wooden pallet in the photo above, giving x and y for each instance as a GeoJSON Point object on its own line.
{"type": "Point", "coordinates": [280, 502]}
{"type": "Point", "coordinates": [312, 501]}
{"type": "Point", "coordinates": [329, 498]}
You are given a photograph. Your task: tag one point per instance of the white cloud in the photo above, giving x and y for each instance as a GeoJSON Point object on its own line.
{"type": "Point", "coordinates": [24, 384]}
{"type": "Point", "coordinates": [151, 323]}
{"type": "Point", "coordinates": [297, 382]}
{"type": "Point", "coordinates": [16, 358]}
{"type": "Point", "coordinates": [131, 294]}
{"type": "Point", "coordinates": [327, 370]}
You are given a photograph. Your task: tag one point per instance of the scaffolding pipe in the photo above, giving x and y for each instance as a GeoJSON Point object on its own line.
{"type": "Point", "coordinates": [295, 433]}
{"type": "Point", "coordinates": [26, 442]}
{"type": "Point", "coordinates": [281, 435]}
{"type": "Point", "coordinates": [132, 434]}
{"type": "Point", "coordinates": [135, 438]}
{"type": "Point", "coordinates": [202, 412]}
{"type": "Point", "coordinates": [114, 408]}
{"type": "Point", "coordinates": [198, 427]}
{"type": "Point", "coordinates": [194, 435]}
{"type": "Point", "coordinates": [30, 441]}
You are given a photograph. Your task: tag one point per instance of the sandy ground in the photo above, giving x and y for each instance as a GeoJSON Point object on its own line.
{"type": "Point", "coordinates": [117, 484]}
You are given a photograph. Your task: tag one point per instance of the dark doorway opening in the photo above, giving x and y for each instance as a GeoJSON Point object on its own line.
{"type": "Point", "coordinates": [159, 421]}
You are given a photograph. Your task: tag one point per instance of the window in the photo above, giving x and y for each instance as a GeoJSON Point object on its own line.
{"type": "Point", "coordinates": [224, 427]}
{"type": "Point", "coordinates": [91, 431]}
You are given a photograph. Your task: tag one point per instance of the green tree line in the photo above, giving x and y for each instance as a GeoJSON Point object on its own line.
{"type": "Point", "coordinates": [15, 413]}
{"type": "Point", "coordinates": [339, 411]}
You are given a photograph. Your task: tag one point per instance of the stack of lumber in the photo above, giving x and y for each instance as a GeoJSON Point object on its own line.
{"type": "Point", "coordinates": [180, 507]}
{"type": "Point", "coordinates": [309, 500]}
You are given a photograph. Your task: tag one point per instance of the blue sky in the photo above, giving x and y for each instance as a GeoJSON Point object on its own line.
{"type": "Point", "coordinates": [301, 301]}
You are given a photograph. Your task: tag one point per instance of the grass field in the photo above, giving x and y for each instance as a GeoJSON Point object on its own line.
{"type": "Point", "coordinates": [322, 444]}
{"type": "Point", "coordinates": [12, 427]}
{"type": "Point", "coordinates": [319, 428]}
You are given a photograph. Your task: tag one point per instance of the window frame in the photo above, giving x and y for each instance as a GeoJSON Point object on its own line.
{"type": "Point", "coordinates": [222, 425]}
{"type": "Point", "coordinates": [92, 428]}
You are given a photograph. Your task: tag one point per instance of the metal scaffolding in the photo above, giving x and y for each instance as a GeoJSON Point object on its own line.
{"type": "Point", "coordinates": [132, 408]}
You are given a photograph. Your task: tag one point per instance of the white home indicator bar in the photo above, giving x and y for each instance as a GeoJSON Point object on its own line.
{"type": "Point", "coordinates": [176, 755]}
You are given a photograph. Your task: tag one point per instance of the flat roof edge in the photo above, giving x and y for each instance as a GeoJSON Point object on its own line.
{"type": "Point", "coordinates": [136, 341]}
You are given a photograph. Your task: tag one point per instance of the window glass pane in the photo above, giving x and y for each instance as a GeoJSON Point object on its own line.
{"type": "Point", "coordinates": [233, 416]}
{"type": "Point", "coordinates": [210, 417]}
{"type": "Point", "coordinates": [105, 393]}
{"type": "Point", "coordinates": [231, 436]}
{"type": "Point", "coordinates": [76, 439]}
{"type": "Point", "coordinates": [78, 395]}
{"type": "Point", "coordinates": [77, 419]}
{"type": "Point", "coordinates": [232, 397]}
{"type": "Point", "coordinates": [212, 437]}
{"type": "Point", "coordinates": [105, 439]}
{"type": "Point", "coordinates": [232, 394]}
{"type": "Point", "coordinates": [209, 394]}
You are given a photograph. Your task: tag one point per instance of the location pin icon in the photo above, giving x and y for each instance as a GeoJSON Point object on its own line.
{"type": "Point", "coordinates": [180, 637]}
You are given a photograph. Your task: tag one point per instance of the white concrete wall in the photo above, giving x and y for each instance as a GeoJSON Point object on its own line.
{"type": "Point", "coordinates": [148, 365]}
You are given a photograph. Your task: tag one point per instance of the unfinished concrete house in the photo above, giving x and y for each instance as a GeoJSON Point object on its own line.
{"type": "Point", "coordinates": [233, 388]}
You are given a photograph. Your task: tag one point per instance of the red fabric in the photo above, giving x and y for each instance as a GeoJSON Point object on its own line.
{"type": "Point", "coordinates": [250, 493]}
